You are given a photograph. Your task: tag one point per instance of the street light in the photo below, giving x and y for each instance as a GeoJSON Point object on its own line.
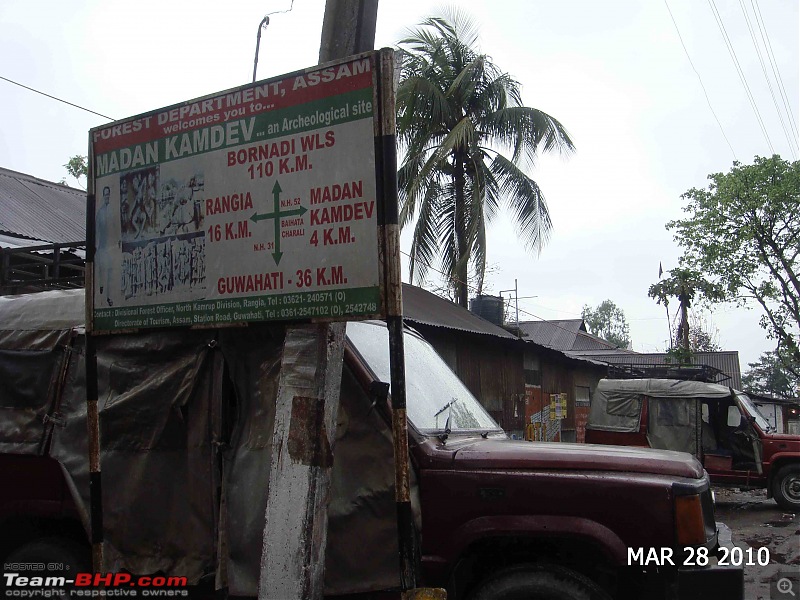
{"type": "Point", "coordinates": [262, 25]}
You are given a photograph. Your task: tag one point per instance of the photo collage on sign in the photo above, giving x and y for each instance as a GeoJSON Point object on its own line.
{"type": "Point", "coordinates": [162, 238]}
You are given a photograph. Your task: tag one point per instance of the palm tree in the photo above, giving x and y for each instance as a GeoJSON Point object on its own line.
{"type": "Point", "coordinates": [456, 112]}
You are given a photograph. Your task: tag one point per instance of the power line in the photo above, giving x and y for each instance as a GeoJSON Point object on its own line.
{"type": "Point", "coordinates": [769, 83]}
{"type": "Point", "coordinates": [701, 81]}
{"type": "Point", "coordinates": [55, 98]}
{"type": "Point", "coordinates": [774, 64]}
{"type": "Point", "coordinates": [739, 70]}
{"type": "Point", "coordinates": [474, 289]}
{"type": "Point", "coordinates": [566, 312]}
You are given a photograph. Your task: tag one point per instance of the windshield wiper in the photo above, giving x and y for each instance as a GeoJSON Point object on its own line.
{"type": "Point", "coordinates": [443, 436]}
{"type": "Point", "coordinates": [449, 406]}
{"type": "Point", "coordinates": [444, 408]}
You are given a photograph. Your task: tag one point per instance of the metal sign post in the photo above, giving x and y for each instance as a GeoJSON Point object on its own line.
{"type": "Point", "coordinates": [92, 415]}
{"type": "Point", "coordinates": [385, 139]}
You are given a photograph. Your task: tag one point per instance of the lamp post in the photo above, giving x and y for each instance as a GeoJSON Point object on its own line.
{"type": "Point", "coordinates": [262, 25]}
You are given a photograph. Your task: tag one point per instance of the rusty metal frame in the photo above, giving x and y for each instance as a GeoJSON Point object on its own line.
{"type": "Point", "coordinates": [41, 267]}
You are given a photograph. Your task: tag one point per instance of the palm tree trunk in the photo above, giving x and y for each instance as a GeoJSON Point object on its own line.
{"type": "Point", "coordinates": [461, 266]}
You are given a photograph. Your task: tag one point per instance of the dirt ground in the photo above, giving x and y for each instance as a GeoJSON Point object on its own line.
{"type": "Point", "coordinates": [756, 522]}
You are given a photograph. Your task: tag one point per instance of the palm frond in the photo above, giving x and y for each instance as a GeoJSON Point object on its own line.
{"type": "Point", "coordinates": [526, 202]}
{"type": "Point", "coordinates": [425, 243]}
{"type": "Point", "coordinates": [526, 132]}
{"type": "Point", "coordinates": [457, 113]}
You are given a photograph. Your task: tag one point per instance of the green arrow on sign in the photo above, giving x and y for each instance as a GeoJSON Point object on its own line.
{"type": "Point", "coordinates": [277, 215]}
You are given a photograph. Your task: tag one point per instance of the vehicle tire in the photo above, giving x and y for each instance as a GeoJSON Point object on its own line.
{"type": "Point", "coordinates": [538, 582]}
{"type": "Point", "coordinates": [786, 487]}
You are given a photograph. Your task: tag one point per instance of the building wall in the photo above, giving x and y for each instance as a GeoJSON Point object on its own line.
{"type": "Point", "coordinates": [587, 379]}
{"type": "Point", "coordinates": [514, 384]}
{"type": "Point", "coordinates": [559, 378]}
{"type": "Point", "coordinates": [490, 368]}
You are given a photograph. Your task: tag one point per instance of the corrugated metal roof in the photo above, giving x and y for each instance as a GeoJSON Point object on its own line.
{"type": "Point", "coordinates": [421, 306]}
{"type": "Point", "coordinates": [559, 334]}
{"type": "Point", "coordinates": [13, 241]}
{"type": "Point", "coordinates": [41, 210]}
{"type": "Point", "coordinates": [564, 334]}
{"type": "Point", "coordinates": [587, 341]}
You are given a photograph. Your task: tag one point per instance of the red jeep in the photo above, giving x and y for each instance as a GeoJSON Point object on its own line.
{"type": "Point", "coordinates": [719, 425]}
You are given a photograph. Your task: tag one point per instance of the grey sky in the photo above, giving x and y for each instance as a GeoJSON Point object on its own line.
{"type": "Point", "coordinates": [614, 73]}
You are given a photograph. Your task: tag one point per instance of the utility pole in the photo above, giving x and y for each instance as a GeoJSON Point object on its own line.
{"type": "Point", "coordinates": [296, 519]}
{"type": "Point", "coordinates": [348, 28]}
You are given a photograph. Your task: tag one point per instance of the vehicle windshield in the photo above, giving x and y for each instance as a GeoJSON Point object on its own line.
{"type": "Point", "coordinates": [753, 411]}
{"type": "Point", "coordinates": [435, 397]}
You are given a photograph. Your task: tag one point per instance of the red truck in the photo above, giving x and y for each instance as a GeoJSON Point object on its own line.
{"type": "Point", "coordinates": [717, 424]}
{"type": "Point", "coordinates": [186, 437]}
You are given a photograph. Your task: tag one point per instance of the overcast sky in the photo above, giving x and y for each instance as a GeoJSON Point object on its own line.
{"type": "Point", "coordinates": [614, 73]}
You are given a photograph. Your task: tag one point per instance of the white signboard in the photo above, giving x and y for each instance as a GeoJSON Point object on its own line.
{"type": "Point", "coordinates": [254, 204]}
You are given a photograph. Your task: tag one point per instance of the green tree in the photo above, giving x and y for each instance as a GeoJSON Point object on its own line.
{"type": "Point", "coordinates": [77, 167]}
{"type": "Point", "coordinates": [608, 321]}
{"type": "Point", "coordinates": [769, 376]}
{"type": "Point", "coordinates": [685, 285]}
{"type": "Point", "coordinates": [743, 233]}
{"type": "Point", "coordinates": [456, 112]}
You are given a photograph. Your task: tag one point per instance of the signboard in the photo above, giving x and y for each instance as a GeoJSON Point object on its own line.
{"type": "Point", "coordinates": [254, 204]}
{"type": "Point", "coordinates": [558, 406]}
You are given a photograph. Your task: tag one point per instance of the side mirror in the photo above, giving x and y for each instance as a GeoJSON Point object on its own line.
{"type": "Point", "coordinates": [734, 416]}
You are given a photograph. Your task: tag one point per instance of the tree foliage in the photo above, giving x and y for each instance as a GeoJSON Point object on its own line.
{"type": "Point", "coordinates": [685, 285]}
{"type": "Point", "coordinates": [743, 233]}
{"type": "Point", "coordinates": [456, 113]}
{"type": "Point", "coordinates": [77, 167]}
{"type": "Point", "coordinates": [768, 376]}
{"type": "Point", "coordinates": [608, 321]}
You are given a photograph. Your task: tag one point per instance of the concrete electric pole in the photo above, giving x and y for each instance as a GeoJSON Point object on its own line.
{"type": "Point", "coordinates": [295, 532]}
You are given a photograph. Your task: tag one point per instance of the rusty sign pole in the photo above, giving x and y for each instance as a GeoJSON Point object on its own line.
{"type": "Point", "coordinates": [386, 150]}
{"type": "Point", "coordinates": [296, 519]}
{"type": "Point", "coordinates": [92, 415]}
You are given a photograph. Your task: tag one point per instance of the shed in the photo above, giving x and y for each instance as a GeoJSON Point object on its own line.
{"type": "Point", "coordinates": [533, 391]}
{"type": "Point", "coordinates": [42, 234]}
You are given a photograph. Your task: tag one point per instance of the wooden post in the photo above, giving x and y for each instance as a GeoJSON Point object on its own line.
{"type": "Point", "coordinates": [293, 551]}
